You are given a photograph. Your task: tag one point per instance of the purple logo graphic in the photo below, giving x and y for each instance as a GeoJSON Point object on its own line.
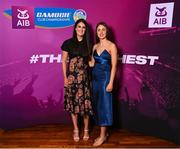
{"type": "Point", "coordinates": [161, 12]}
{"type": "Point", "coordinates": [22, 17]}
{"type": "Point", "coordinates": [161, 15]}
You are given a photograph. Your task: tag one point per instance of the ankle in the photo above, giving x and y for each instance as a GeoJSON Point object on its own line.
{"type": "Point", "coordinates": [86, 134]}
{"type": "Point", "coordinates": [76, 135]}
{"type": "Point", "coordinates": [102, 136]}
{"type": "Point", "coordinates": [86, 130]}
{"type": "Point", "coordinates": [76, 129]}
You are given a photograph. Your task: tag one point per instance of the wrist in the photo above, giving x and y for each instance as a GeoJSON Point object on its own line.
{"type": "Point", "coordinates": [110, 83]}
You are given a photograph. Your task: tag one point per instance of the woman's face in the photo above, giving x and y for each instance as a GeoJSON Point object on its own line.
{"type": "Point", "coordinates": [101, 32]}
{"type": "Point", "coordinates": [80, 29]}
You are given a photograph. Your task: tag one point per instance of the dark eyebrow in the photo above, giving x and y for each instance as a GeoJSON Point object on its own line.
{"type": "Point", "coordinates": [82, 26]}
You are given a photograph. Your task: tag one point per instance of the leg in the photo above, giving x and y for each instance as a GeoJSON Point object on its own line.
{"type": "Point", "coordinates": [76, 129]}
{"type": "Point", "coordinates": [75, 121]}
{"type": "Point", "coordinates": [103, 136]}
{"type": "Point", "coordinates": [86, 128]}
{"type": "Point", "coordinates": [103, 132]}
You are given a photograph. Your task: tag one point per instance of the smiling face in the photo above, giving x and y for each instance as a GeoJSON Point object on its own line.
{"type": "Point", "coordinates": [80, 29]}
{"type": "Point", "coordinates": [101, 32]}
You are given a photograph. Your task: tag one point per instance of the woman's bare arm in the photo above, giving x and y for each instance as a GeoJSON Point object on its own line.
{"type": "Point", "coordinates": [64, 63]}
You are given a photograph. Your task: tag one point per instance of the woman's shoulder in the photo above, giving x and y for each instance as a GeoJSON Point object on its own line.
{"type": "Point", "coordinates": [111, 44]}
{"type": "Point", "coordinates": [67, 44]}
{"type": "Point", "coordinates": [95, 46]}
{"type": "Point", "coordinates": [68, 41]}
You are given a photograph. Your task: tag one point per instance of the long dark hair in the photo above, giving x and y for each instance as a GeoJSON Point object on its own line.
{"type": "Point", "coordinates": [107, 31]}
{"type": "Point", "coordinates": [86, 37]}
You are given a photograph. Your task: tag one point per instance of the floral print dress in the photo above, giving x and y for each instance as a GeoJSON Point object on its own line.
{"type": "Point", "coordinates": [77, 97]}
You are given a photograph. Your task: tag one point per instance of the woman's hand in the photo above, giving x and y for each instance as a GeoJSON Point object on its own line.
{"type": "Point", "coordinates": [109, 87]}
{"type": "Point", "coordinates": [65, 82]}
{"type": "Point", "coordinates": [91, 62]}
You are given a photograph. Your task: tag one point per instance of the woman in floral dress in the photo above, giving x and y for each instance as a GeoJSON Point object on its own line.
{"type": "Point", "coordinates": [77, 98]}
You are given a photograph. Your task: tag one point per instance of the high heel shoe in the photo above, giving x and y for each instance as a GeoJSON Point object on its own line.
{"type": "Point", "coordinates": [76, 135]}
{"type": "Point", "coordinates": [86, 135]}
{"type": "Point", "coordinates": [99, 141]}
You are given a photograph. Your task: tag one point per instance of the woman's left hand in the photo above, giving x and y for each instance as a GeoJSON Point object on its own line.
{"type": "Point", "coordinates": [109, 87]}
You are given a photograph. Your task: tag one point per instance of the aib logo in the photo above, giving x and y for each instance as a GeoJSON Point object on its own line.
{"type": "Point", "coordinates": [161, 12]}
{"type": "Point", "coordinates": [22, 17]}
{"type": "Point", "coordinates": [161, 15]}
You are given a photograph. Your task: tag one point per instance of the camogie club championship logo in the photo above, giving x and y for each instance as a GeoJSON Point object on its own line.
{"type": "Point", "coordinates": [79, 14]}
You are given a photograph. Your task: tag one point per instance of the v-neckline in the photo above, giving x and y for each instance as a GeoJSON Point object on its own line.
{"type": "Point", "coordinates": [101, 52]}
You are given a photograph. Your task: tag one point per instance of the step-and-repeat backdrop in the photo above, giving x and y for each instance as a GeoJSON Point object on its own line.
{"type": "Point", "coordinates": [147, 85]}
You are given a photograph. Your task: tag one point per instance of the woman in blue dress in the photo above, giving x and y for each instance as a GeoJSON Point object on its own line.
{"type": "Point", "coordinates": [103, 61]}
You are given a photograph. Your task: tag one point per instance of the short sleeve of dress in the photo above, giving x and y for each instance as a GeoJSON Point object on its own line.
{"type": "Point", "coordinates": [65, 46]}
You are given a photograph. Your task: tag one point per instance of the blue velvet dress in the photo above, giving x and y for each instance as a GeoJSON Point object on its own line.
{"type": "Point", "coordinates": [102, 100]}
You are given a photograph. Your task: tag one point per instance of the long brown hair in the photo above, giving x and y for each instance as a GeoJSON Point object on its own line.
{"type": "Point", "coordinates": [107, 31]}
{"type": "Point", "coordinates": [86, 37]}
